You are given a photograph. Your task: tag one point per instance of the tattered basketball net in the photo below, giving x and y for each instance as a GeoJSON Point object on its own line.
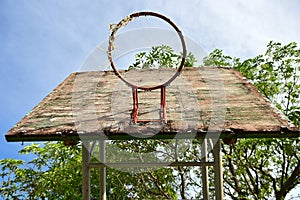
{"type": "Point", "coordinates": [135, 88]}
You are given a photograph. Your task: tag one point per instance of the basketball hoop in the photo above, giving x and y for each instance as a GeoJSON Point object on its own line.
{"type": "Point", "coordinates": [135, 88]}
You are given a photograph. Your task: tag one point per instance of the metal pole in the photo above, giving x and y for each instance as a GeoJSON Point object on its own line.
{"type": "Point", "coordinates": [204, 169]}
{"type": "Point", "coordinates": [135, 108]}
{"type": "Point", "coordinates": [86, 170]}
{"type": "Point", "coordinates": [218, 171]}
{"type": "Point", "coordinates": [163, 110]}
{"type": "Point", "coordinates": [102, 170]}
{"type": "Point", "coordinates": [151, 164]}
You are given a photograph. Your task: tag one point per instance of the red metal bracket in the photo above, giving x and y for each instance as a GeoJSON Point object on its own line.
{"type": "Point", "coordinates": [162, 112]}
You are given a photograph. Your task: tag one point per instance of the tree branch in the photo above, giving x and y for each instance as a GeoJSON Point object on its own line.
{"type": "Point", "coordinates": [271, 177]}
{"type": "Point", "coordinates": [231, 168]}
{"type": "Point", "coordinates": [290, 183]}
{"type": "Point", "coordinates": [182, 184]}
{"type": "Point", "coordinates": [159, 187]}
{"type": "Point", "coordinates": [156, 182]}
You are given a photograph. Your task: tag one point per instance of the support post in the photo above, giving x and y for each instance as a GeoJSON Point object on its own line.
{"type": "Point", "coordinates": [204, 169]}
{"type": "Point", "coordinates": [163, 110]}
{"type": "Point", "coordinates": [102, 170]}
{"type": "Point", "coordinates": [86, 170]}
{"type": "Point", "coordinates": [135, 109]}
{"type": "Point", "coordinates": [218, 171]}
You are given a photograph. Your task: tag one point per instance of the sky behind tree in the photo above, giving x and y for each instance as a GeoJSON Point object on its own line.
{"type": "Point", "coordinates": [42, 42]}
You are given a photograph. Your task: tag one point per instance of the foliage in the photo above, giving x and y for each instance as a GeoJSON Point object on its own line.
{"type": "Point", "coordinates": [157, 184]}
{"type": "Point", "coordinates": [55, 173]}
{"type": "Point", "coordinates": [217, 59]}
{"type": "Point", "coordinates": [53, 167]}
{"type": "Point", "coordinates": [161, 57]}
{"type": "Point", "coordinates": [174, 180]}
{"type": "Point", "coordinates": [276, 74]}
{"type": "Point", "coordinates": [261, 168]}
{"type": "Point", "coordinates": [265, 168]}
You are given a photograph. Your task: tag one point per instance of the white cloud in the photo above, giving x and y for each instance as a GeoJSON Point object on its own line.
{"type": "Point", "coordinates": [240, 28]}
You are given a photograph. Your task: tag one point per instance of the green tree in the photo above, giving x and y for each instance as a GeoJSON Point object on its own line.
{"type": "Point", "coordinates": [161, 57]}
{"type": "Point", "coordinates": [254, 168]}
{"type": "Point", "coordinates": [55, 173]}
{"type": "Point", "coordinates": [218, 59]}
{"type": "Point", "coordinates": [264, 168]}
{"type": "Point", "coordinates": [53, 167]}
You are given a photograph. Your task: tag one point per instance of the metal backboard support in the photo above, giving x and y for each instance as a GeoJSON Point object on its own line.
{"type": "Point", "coordinates": [89, 146]}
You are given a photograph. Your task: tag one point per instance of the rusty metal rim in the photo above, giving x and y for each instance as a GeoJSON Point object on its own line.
{"type": "Point", "coordinates": [135, 15]}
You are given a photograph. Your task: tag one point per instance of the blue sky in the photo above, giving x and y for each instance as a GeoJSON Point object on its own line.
{"type": "Point", "coordinates": [42, 42]}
